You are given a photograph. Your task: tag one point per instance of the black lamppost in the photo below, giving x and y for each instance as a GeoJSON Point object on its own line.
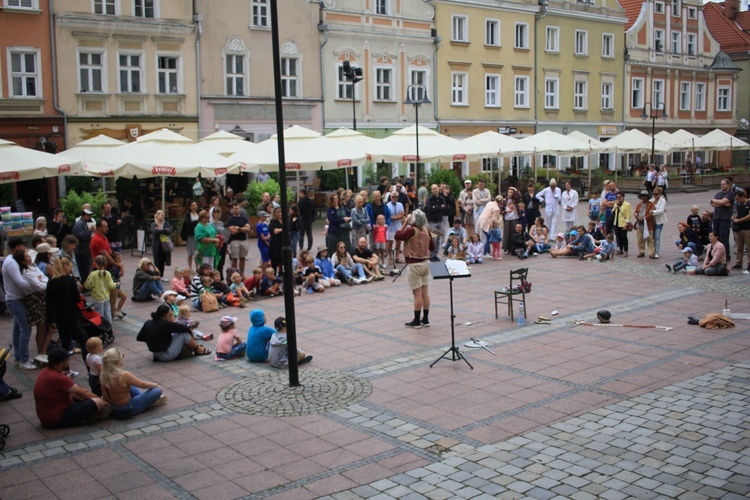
{"type": "Point", "coordinates": [417, 95]}
{"type": "Point", "coordinates": [659, 106]}
{"type": "Point", "coordinates": [354, 75]}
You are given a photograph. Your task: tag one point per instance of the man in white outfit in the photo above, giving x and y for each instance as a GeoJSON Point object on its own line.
{"type": "Point", "coordinates": [569, 204]}
{"type": "Point", "coordinates": [551, 196]}
{"type": "Point", "coordinates": [481, 198]}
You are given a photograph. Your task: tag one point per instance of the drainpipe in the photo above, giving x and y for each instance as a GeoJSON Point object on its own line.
{"type": "Point", "coordinates": [62, 190]}
{"type": "Point", "coordinates": [436, 41]}
{"type": "Point", "coordinates": [324, 28]}
{"type": "Point", "coordinates": [198, 19]}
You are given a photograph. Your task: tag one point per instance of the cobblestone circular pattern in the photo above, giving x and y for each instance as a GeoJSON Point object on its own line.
{"type": "Point", "coordinates": [268, 394]}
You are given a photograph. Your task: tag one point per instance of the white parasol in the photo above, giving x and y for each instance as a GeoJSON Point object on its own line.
{"type": "Point", "coordinates": [401, 146]}
{"type": "Point", "coordinates": [23, 164]}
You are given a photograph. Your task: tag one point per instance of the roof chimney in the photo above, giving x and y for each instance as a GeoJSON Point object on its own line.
{"type": "Point", "coordinates": [731, 9]}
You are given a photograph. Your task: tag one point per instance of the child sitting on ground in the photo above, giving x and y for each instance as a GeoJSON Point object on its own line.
{"type": "Point", "coordinates": [94, 363]}
{"type": "Point", "coordinates": [253, 282]}
{"type": "Point", "coordinates": [325, 265]}
{"type": "Point", "coordinates": [379, 239]}
{"type": "Point", "coordinates": [270, 284]}
{"type": "Point", "coordinates": [474, 250]}
{"type": "Point", "coordinates": [456, 249]}
{"type": "Point", "coordinates": [688, 259]}
{"type": "Point", "coordinates": [605, 250]}
{"type": "Point", "coordinates": [207, 284]}
{"type": "Point", "coordinates": [278, 354]}
{"type": "Point", "coordinates": [100, 283]}
{"type": "Point", "coordinates": [178, 282]}
{"type": "Point", "coordinates": [117, 294]}
{"type": "Point", "coordinates": [496, 240]}
{"type": "Point", "coordinates": [229, 345]}
{"type": "Point", "coordinates": [170, 298]}
{"type": "Point", "coordinates": [311, 275]}
{"type": "Point", "coordinates": [221, 288]}
{"type": "Point", "coordinates": [238, 288]}
{"type": "Point", "coordinates": [184, 319]}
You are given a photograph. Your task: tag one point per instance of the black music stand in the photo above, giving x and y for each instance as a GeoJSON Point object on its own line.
{"type": "Point", "coordinates": [448, 271]}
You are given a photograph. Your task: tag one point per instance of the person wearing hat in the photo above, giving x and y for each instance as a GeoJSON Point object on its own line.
{"type": "Point", "coordinates": [688, 259]}
{"type": "Point", "coordinates": [644, 225]}
{"type": "Point", "coordinates": [278, 354]}
{"type": "Point", "coordinates": [59, 401]}
{"type": "Point", "coordinates": [172, 299]}
{"type": "Point", "coordinates": [324, 263]}
{"type": "Point", "coordinates": [264, 239]}
{"type": "Point", "coordinates": [83, 231]}
{"type": "Point", "coordinates": [45, 255]}
{"type": "Point", "coordinates": [229, 345]}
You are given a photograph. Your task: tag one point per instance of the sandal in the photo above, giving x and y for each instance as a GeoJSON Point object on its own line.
{"type": "Point", "coordinates": [205, 351]}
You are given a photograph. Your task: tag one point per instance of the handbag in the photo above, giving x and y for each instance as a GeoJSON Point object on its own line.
{"type": "Point", "coordinates": [209, 302]}
{"type": "Point", "coordinates": [166, 243]}
{"type": "Point", "coordinates": [346, 226]}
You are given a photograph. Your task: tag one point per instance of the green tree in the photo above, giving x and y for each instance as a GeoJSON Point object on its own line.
{"type": "Point", "coordinates": [439, 176]}
{"type": "Point", "coordinates": [72, 203]}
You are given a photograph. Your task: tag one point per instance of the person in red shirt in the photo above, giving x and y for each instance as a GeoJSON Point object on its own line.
{"type": "Point", "coordinates": [100, 244]}
{"type": "Point", "coordinates": [59, 401]}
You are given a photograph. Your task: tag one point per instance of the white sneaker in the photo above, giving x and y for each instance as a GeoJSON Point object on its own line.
{"type": "Point", "coordinates": [73, 374]}
{"type": "Point", "coordinates": [358, 281]}
{"type": "Point", "coordinates": [41, 358]}
{"type": "Point", "coordinates": [27, 365]}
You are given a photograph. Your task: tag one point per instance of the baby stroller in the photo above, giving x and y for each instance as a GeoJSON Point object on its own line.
{"type": "Point", "coordinates": [95, 325]}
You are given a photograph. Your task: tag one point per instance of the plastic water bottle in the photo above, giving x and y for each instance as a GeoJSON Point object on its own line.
{"type": "Point", "coordinates": [520, 314]}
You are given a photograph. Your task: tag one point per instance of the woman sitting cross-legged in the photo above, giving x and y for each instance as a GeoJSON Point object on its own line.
{"type": "Point", "coordinates": [121, 389]}
{"type": "Point", "coordinates": [167, 339]}
{"type": "Point", "coordinates": [345, 266]}
{"type": "Point", "coordinates": [147, 282]}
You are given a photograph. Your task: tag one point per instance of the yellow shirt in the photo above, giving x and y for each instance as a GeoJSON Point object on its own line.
{"type": "Point", "coordinates": [100, 284]}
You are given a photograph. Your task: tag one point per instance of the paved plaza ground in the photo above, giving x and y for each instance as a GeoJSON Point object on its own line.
{"type": "Point", "coordinates": [561, 411]}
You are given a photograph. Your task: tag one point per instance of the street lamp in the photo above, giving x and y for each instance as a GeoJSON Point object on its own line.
{"type": "Point", "coordinates": [416, 95]}
{"type": "Point", "coordinates": [354, 75]}
{"type": "Point", "coordinates": [659, 106]}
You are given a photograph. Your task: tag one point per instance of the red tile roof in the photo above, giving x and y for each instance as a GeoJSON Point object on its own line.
{"type": "Point", "coordinates": [632, 9]}
{"type": "Point", "coordinates": [727, 32]}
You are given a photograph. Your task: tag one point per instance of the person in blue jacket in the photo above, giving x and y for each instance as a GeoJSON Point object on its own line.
{"type": "Point", "coordinates": [258, 337]}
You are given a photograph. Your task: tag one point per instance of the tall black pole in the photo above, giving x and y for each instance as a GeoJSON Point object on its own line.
{"type": "Point", "coordinates": [416, 121]}
{"type": "Point", "coordinates": [354, 108]}
{"type": "Point", "coordinates": [653, 132]}
{"type": "Point", "coordinates": [286, 251]}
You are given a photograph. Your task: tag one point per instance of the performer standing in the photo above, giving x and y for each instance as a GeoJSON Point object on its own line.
{"type": "Point", "coordinates": [417, 247]}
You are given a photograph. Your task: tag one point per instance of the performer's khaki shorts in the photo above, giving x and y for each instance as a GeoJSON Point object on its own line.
{"type": "Point", "coordinates": [419, 275]}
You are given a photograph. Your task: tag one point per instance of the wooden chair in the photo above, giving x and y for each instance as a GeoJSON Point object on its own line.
{"type": "Point", "coordinates": [509, 295]}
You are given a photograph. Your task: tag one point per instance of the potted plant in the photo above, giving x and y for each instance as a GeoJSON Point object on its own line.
{"type": "Point", "coordinates": [254, 195]}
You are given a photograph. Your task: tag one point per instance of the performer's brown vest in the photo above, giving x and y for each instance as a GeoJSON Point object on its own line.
{"type": "Point", "coordinates": [418, 246]}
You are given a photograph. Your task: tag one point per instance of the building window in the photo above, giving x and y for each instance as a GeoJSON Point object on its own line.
{"type": "Point", "coordinates": [579, 95]}
{"type": "Point", "coordinates": [24, 73]}
{"type": "Point", "coordinates": [522, 92]}
{"type": "Point", "coordinates": [460, 29]}
{"type": "Point", "coordinates": [260, 13]}
{"type": "Point", "coordinates": [684, 96]}
{"type": "Point", "coordinates": [145, 8]}
{"type": "Point", "coordinates": [235, 74]}
{"type": "Point", "coordinates": [676, 42]}
{"type": "Point", "coordinates": [692, 44]}
{"type": "Point", "coordinates": [700, 96]}
{"type": "Point", "coordinates": [676, 8]}
{"type": "Point", "coordinates": [551, 93]}
{"type": "Point", "coordinates": [492, 32]}
{"type": "Point", "coordinates": [381, 7]}
{"type": "Point", "coordinates": [657, 94]}
{"type": "Point", "coordinates": [490, 164]}
{"type": "Point", "coordinates": [167, 75]}
{"type": "Point", "coordinates": [659, 7]}
{"type": "Point", "coordinates": [492, 91]}
{"type": "Point", "coordinates": [130, 73]}
{"type": "Point", "coordinates": [344, 86]}
{"type": "Point", "coordinates": [459, 84]}
{"type": "Point", "coordinates": [522, 36]}
{"type": "Point", "coordinates": [553, 39]}
{"type": "Point", "coordinates": [723, 99]}
{"type": "Point", "coordinates": [418, 79]}
{"type": "Point", "coordinates": [22, 4]}
{"type": "Point", "coordinates": [692, 13]}
{"type": "Point", "coordinates": [289, 77]}
{"type": "Point", "coordinates": [607, 90]}
{"type": "Point", "coordinates": [383, 84]}
{"type": "Point", "coordinates": [582, 43]}
{"type": "Point", "coordinates": [608, 45]}
{"type": "Point", "coordinates": [106, 7]}
{"type": "Point", "coordinates": [90, 66]}
{"type": "Point", "coordinates": [659, 40]}
{"type": "Point", "coordinates": [636, 100]}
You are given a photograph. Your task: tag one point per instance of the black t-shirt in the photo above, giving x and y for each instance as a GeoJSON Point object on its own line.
{"type": "Point", "coordinates": [239, 222]}
{"type": "Point", "coordinates": [724, 213]}
{"type": "Point", "coordinates": [363, 254]}
{"type": "Point", "coordinates": [743, 209]}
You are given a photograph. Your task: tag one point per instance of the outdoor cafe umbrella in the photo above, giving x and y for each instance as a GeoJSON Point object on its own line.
{"type": "Point", "coordinates": [492, 144]}
{"type": "Point", "coordinates": [401, 146]}
{"type": "Point", "coordinates": [355, 140]}
{"type": "Point", "coordinates": [98, 146]}
{"type": "Point", "coordinates": [718, 140]}
{"type": "Point", "coordinates": [159, 154]}
{"type": "Point", "coordinates": [23, 164]}
{"type": "Point", "coordinates": [224, 143]}
{"type": "Point", "coordinates": [552, 143]}
{"type": "Point", "coordinates": [594, 146]}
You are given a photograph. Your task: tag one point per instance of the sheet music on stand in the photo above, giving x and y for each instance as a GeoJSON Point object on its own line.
{"type": "Point", "coordinates": [450, 270]}
{"type": "Point", "coordinates": [457, 268]}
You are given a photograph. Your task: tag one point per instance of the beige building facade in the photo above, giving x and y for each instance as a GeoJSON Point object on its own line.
{"type": "Point", "coordinates": [237, 85]}
{"type": "Point", "coordinates": [126, 67]}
